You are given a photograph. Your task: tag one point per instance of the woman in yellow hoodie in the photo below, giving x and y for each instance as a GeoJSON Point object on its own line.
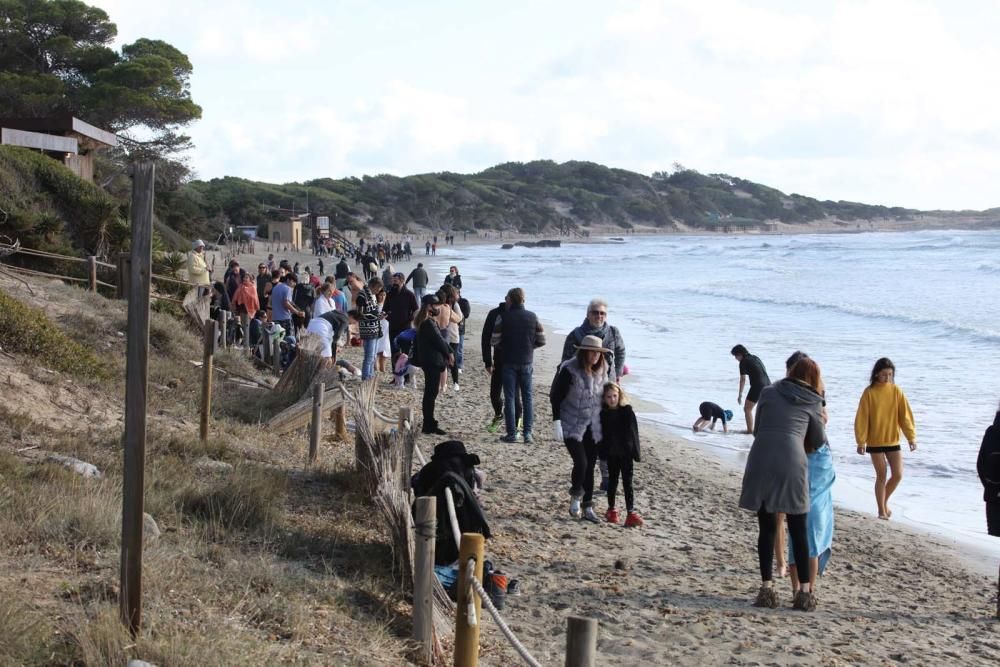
{"type": "Point", "coordinates": [882, 413]}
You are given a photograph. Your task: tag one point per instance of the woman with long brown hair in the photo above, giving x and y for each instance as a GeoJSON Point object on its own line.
{"type": "Point", "coordinates": [882, 413]}
{"type": "Point", "coordinates": [776, 480]}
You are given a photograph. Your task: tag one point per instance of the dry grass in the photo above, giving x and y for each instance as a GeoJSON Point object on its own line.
{"type": "Point", "coordinates": [263, 564]}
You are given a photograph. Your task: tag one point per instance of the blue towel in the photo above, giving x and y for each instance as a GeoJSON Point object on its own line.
{"type": "Point", "coordinates": [819, 526]}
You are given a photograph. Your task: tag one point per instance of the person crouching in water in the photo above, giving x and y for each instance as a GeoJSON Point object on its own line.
{"type": "Point", "coordinates": [620, 447]}
{"type": "Point", "coordinates": [711, 413]}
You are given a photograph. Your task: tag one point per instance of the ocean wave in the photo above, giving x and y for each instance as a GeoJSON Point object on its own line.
{"type": "Point", "coordinates": [989, 268]}
{"type": "Point", "coordinates": [652, 326]}
{"type": "Point", "coordinates": [859, 311]}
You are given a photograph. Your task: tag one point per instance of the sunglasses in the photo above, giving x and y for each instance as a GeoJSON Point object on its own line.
{"type": "Point", "coordinates": [599, 312]}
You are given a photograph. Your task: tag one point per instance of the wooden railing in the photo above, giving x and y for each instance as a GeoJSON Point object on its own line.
{"type": "Point", "coordinates": [120, 286]}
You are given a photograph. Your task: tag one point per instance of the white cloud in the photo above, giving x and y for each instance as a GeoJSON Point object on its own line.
{"type": "Point", "coordinates": [874, 100]}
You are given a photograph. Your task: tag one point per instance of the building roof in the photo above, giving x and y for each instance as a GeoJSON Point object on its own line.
{"type": "Point", "coordinates": [62, 124]}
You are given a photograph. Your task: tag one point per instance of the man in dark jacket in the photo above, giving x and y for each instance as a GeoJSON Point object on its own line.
{"type": "Point", "coordinates": [491, 359]}
{"type": "Point", "coordinates": [596, 324]}
{"type": "Point", "coordinates": [401, 305]}
{"type": "Point", "coordinates": [518, 333]}
{"type": "Point", "coordinates": [419, 278]}
{"type": "Point", "coordinates": [340, 272]}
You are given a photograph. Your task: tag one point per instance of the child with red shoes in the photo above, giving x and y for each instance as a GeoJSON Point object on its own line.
{"type": "Point", "coordinates": [620, 446]}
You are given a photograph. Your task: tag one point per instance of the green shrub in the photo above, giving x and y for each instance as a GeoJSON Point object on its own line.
{"type": "Point", "coordinates": [28, 331]}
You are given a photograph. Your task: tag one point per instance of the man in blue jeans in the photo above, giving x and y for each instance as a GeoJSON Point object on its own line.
{"type": "Point", "coordinates": [517, 332]}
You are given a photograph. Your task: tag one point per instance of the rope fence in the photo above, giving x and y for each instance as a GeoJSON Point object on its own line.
{"type": "Point", "coordinates": [16, 249]}
{"type": "Point", "coordinates": [484, 597]}
{"type": "Point", "coordinates": [33, 272]}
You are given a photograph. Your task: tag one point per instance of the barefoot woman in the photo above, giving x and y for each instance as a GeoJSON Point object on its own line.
{"type": "Point", "coordinates": [882, 413]}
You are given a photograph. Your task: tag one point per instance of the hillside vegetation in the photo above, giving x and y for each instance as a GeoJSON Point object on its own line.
{"type": "Point", "coordinates": [253, 559]}
{"type": "Point", "coordinates": [532, 197]}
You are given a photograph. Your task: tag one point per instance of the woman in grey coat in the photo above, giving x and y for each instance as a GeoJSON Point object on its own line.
{"type": "Point", "coordinates": [776, 479]}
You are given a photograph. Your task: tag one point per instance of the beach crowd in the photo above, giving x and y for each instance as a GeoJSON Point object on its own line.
{"type": "Point", "coordinates": [407, 329]}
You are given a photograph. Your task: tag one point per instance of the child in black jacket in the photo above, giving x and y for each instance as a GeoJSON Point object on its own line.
{"type": "Point", "coordinates": [620, 445]}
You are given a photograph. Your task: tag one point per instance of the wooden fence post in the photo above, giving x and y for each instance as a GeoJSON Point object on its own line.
{"type": "Point", "coordinates": [267, 347]}
{"type": "Point", "coordinates": [92, 273]}
{"type": "Point", "coordinates": [425, 525]}
{"type": "Point", "coordinates": [136, 379]}
{"type": "Point", "coordinates": [276, 358]}
{"type": "Point", "coordinates": [467, 636]}
{"type": "Point", "coordinates": [316, 428]}
{"type": "Point", "coordinates": [245, 324]}
{"type": "Point", "coordinates": [405, 419]}
{"type": "Point", "coordinates": [223, 317]}
{"type": "Point", "coordinates": [210, 337]}
{"type": "Point", "coordinates": [124, 271]}
{"type": "Point", "coordinates": [581, 642]}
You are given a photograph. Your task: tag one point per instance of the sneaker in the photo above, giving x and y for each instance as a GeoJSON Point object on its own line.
{"type": "Point", "coordinates": [459, 371]}
{"type": "Point", "coordinates": [611, 515]}
{"type": "Point", "coordinates": [589, 515]}
{"type": "Point", "coordinates": [766, 597]}
{"type": "Point", "coordinates": [804, 601]}
{"type": "Point", "coordinates": [495, 424]}
{"type": "Point", "coordinates": [604, 484]}
{"type": "Point", "coordinates": [456, 387]}
{"type": "Point", "coordinates": [574, 506]}
{"type": "Point", "coordinates": [508, 438]}
{"type": "Point", "coordinates": [529, 439]}
{"type": "Point", "coordinates": [633, 520]}
{"type": "Point", "coordinates": [513, 587]}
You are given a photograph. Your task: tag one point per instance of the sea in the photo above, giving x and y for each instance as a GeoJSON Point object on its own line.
{"type": "Point", "coordinates": [928, 300]}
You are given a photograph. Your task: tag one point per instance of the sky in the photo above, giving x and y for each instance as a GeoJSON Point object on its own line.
{"type": "Point", "coordinates": [892, 102]}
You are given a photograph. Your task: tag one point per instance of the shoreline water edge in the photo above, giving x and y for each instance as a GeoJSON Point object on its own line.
{"type": "Point", "coordinates": [679, 589]}
{"type": "Point", "coordinates": [853, 488]}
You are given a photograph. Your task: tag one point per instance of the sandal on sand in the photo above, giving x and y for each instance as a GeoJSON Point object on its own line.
{"type": "Point", "coordinates": [766, 597]}
{"type": "Point", "coordinates": [804, 601]}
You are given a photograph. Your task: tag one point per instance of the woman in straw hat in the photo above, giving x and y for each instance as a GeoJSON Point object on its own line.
{"type": "Point", "coordinates": [576, 410]}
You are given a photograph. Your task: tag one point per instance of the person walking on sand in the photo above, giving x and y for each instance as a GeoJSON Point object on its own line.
{"type": "Point", "coordinates": [882, 413]}
{"type": "Point", "coordinates": [518, 333]}
{"type": "Point", "coordinates": [750, 367]}
{"type": "Point", "coordinates": [434, 356]}
{"type": "Point", "coordinates": [819, 524]}
{"type": "Point", "coordinates": [596, 324]}
{"type": "Point", "coordinates": [492, 360]}
{"type": "Point", "coordinates": [576, 397]}
{"type": "Point", "coordinates": [709, 413]}
{"type": "Point", "coordinates": [620, 448]}
{"type": "Point", "coordinates": [420, 279]}
{"type": "Point", "coordinates": [453, 278]}
{"type": "Point", "coordinates": [776, 478]}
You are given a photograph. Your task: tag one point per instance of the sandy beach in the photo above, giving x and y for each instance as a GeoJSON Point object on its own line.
{"type": "Point", "coordinates": [679, 590]}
